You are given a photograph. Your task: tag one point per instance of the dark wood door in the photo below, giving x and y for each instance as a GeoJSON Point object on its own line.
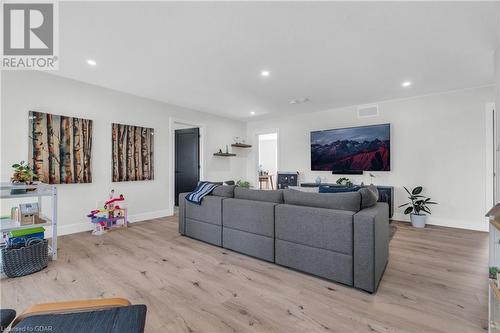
{"type": "Point", "coordinates": [187, 160]}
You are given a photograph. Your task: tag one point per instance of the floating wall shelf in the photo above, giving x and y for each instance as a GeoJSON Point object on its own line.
{"type": "Point", "coordinates": [224, 154]}
{"type": "Point", "coordinates": [241, 145]}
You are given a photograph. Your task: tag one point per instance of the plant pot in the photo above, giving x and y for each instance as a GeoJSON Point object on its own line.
{"type": "Point", "coordinates": [18, 188]}
{"type": "Point", "coordinates": [418, 221]}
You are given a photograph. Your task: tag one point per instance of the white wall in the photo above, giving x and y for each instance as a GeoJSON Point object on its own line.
{"type": "Point", "coordinates": [437, 141]}
{"type": "Point", "coordinates": [29, 90]}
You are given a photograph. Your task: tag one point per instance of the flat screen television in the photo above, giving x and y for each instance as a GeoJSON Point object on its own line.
{"type": "Point", "coordinates": [366, 148]}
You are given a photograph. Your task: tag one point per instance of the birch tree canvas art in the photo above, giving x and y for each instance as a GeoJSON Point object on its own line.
{"type": "Point", "coordinates": [132, 153]}
{"type": "Point", "coordinates": [60, 148]}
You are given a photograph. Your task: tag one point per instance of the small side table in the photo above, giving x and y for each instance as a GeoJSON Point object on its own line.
{"type": "Point", "coordinates": [266, 179]}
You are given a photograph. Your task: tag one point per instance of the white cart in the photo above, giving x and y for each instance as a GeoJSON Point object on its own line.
{"type": "Point", "coordinates": [38, 191]}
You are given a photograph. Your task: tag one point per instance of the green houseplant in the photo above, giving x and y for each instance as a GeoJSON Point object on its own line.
{"type": "Point", "coordinates": [417, 207]}
{"type": "Point", "coordinates": [344, 182]}
{"type": "Point", "coordinates": [23, 175]}
{"type": "Point", "coordinates": [243, 183]}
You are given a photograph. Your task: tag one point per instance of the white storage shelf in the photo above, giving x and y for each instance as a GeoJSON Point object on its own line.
{"type": "Point", "coordinates": [34, 191]}
{"type": "Point", "coordinates": [494, 261]}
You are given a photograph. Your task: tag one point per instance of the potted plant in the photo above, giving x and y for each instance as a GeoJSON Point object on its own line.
{"type": "Point", "coordinates": [243, 183]}
{"type": "Point", "coordinates": [417, 207]}
{"type": "Point", "coordinates": [343, 181]}
{"type": "Point", "coordinates": [23, 175]}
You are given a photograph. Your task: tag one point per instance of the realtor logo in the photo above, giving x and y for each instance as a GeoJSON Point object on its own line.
{"type": "Point", "coordinates": [29, 36]}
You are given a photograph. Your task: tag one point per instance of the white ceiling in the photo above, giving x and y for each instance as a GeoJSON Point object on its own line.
{"type": "Point", "coordinates": [208, 56]}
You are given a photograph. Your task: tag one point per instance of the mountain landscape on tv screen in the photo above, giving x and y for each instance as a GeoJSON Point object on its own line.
{"type": "Point", "coordinates": [358, 148]}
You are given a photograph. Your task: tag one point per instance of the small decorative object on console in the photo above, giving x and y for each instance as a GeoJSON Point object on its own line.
{"type": "Point", "coordinates": [344, 182]}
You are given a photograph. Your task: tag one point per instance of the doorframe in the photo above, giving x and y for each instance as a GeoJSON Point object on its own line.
{"type": "Point", "coordinates": [256, 164]}
{"type": "Point", "coordinates": [171, 175]}
{"type": "Point", "coordinates": [491, 181]}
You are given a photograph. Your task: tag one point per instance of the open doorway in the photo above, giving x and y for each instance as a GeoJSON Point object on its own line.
{"type": "Point", "coordinates": [491, 182]}
{"type": "Point", "coordinates": [268, 159]}
{"type": "Point", "coordinates": [186, 167]}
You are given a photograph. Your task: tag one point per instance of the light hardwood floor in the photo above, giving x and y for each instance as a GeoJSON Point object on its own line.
{"type": "Point", "coordinates": [435, 282]}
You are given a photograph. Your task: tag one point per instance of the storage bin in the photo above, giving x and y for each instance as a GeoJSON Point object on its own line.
{"type": "Point", "coordinates": [26, 260]}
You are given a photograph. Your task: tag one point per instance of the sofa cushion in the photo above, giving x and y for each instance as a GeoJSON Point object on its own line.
{"type": "Point", "coordinates": [249, 215]}
{"type": "Point", "coordinates": [209, 211]}
{"type": "Point", "coordinates": [245, 242]}
{"type": "Point", "coordinates": [226, 191]}
{"type": "Point", "coordinates": [328, 229]}
{"type": "Point", "coordinates": [350, 201]}
{"type": "Point", "coordinates": [369, 196]}
{"type": "Point", "coordinates": [258, 195]}
{"type": "Point", "coordinates": [206, 232]}
{"type": "Point", "coordinates": [326, 264]}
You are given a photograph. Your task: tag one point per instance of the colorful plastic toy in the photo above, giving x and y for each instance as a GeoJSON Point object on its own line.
{"type": "Point", "coordinates": [111, 216]}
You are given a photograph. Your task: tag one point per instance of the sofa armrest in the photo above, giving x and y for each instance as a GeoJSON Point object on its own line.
{"type": "Point", "coordinates": [371, 246]}
{"type": "Point", "coordinates": [182, 213]}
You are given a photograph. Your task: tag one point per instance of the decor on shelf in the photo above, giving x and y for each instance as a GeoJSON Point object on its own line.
{"type": "Point", "coordinates": [371, 178]}
{"type": "Point", "coordinates": [318, 180]}
{"type": "Point", "coordinates": [417, 207]}
{"type": "Point", "coordinates": [243, 183]}
{"type": "Point", "coordinates": [132, 153]}
{"type": "Point", "coordinates": [29, 213]}
{"type": "Point", "coordinates": [23, 175]}
{"type": "Point", "coordinates": [344, 182]}
{"type": "Point", "coordinates": [354, 149]}
{"type": "Point", "coordinates": [60, 150]}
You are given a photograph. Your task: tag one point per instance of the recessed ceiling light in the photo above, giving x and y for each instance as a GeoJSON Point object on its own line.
{"type": "Point", "coordinates": [252, 113]}
{"type": "Point", "coordinates": [265, 73]}
{"type": "Point", "coordinates": [91, 62]}
{"type": "Point", "coordinates": [299, 100]}
{"type": "Point", "coordinates": [406, 84]}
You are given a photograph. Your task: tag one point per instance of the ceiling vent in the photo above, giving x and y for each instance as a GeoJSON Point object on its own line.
{"type": "Point", "coordinates": [365, 111]}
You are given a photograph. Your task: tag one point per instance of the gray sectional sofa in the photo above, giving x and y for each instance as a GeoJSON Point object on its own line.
{"type": "Point", "coordinates": [343, 237]}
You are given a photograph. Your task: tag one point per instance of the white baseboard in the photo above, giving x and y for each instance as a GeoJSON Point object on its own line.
{"type": "Point", "coordinates": [72, 228]}
{"type": "Point", "coordinates": [480, 225]}
{"type": "Point", "coordinates": [150, 215]}
{"type": "Point", "coordinates": [87, 226]}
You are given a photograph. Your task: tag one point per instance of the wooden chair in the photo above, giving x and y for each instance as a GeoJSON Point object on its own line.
{"type": "Point", "coordinates": [51, 312]}
{"type": "Point", "coordinates": [267, 179]}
